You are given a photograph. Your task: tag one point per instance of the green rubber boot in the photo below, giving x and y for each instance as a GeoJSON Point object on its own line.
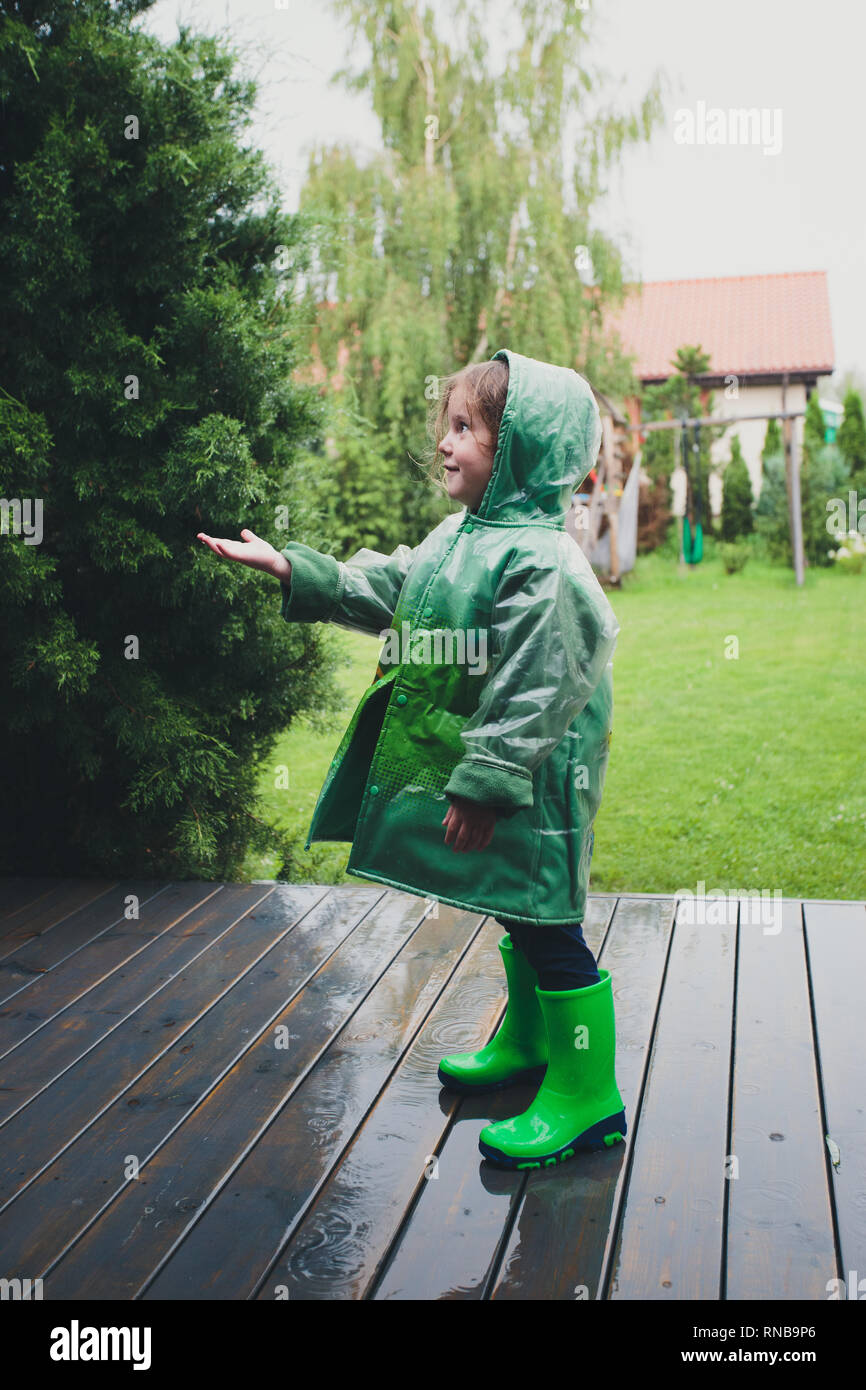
{"type": "Point", "coordinates": [578, 1106]}
{"type": "Point", "coordinates": [518, 1051]}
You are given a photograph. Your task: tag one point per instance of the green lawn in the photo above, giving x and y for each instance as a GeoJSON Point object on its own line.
{"type": "Point", "coordinates": [745, 773]}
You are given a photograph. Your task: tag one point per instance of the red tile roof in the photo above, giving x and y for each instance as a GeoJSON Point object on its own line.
{"type": "Point", "coordinates": [749, 324]}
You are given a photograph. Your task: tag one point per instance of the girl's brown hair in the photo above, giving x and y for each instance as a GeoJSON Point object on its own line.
{"type": "Point", "coordinates": [486, 387]}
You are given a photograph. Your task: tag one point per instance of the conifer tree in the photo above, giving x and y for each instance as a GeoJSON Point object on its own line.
{"type": "Point", "coordinates": [680, 395]}
{"type": "Point", "coordinates": [737, 497]}
{"type": "Point", "coordinates": [773, 443]}
{"type": "Point", "coordinates": [814, 431]}
{"type": "Point", "coordinates": [772, 519]}
{"type": "Point", "coordinates": [823, 476]}
{"type": "Point", "coordinates": [851, 439]}
{"type": "Point", "coordinates": [148, 331]}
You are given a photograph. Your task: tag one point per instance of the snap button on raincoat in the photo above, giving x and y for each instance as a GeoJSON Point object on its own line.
{"type": "Point", "coordinates": [495, 680]}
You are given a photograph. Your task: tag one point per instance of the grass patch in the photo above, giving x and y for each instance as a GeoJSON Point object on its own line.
{"type": "Point", "coordinates": [741, 771]}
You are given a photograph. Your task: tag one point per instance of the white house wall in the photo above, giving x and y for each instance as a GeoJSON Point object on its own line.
{"type": "Point", "coordinates": [752, 400]}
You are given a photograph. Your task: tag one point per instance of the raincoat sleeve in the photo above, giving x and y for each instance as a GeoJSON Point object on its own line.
{"type": "Point", "coordinates": [360, 594]}
{"type": "Point", "coordinates": [553, 636]}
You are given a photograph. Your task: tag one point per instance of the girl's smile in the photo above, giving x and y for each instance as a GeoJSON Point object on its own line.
{"type": "Point", "coordinates": [467, 452]}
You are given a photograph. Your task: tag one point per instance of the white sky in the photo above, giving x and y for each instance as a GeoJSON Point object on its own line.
{"type": "Point", "coordinates": [676, 211]}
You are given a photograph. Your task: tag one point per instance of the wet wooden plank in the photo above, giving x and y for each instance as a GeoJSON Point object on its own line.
{"type": "Point", "coordinates": [212, 1009]}
{"type": "Point", "coordinates": [52, 909]}
{"type": "Point", "coordinates": [153, 1043]}
{"type": "Point", "coordinates": [19, 892]}
{"type": "Point", "coordinates": [449, 1244]}
{"type": "Point", "coordinates": [670, 1242]}
{"type": "Point", "coordinates": [452, 1245]}
{"type": "Point", "coordinates": [836, 941]}
{"type": "Point", "coordinates": [58, 1079]}
{"type": "Point", "coordinates": [40, 998]}
{"type": "Point", "coordinates": [337, 1246]}
{"type": "Point", "coordinates": [33, 958]}
{"type": "Point", "coordinates": [461, 1215]}
{"type": "Point", "coordinates": [780, 1242]}
{"type": "Point", "coordinates": [233, 1244]}
{"type": "Point", "coordinates": [180, 1181]}
{"type": "Point", "coordinates": [561, 1244]}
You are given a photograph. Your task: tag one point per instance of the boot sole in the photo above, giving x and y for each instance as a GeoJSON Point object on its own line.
{"type": "Point", "coordinates": [598, 1137]}
{"type": "Point", "coordinates": [466, 1088]}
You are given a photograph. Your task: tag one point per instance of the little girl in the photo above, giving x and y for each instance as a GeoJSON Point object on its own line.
{"type": "Point", "coordinates": [515, 745]}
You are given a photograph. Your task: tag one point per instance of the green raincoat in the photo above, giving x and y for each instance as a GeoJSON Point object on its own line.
{"type": "Point", "coordinates": [495, 680]}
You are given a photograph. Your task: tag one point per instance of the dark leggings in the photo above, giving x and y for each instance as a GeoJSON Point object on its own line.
{"type": "Point", "coordinates": [559, 955]}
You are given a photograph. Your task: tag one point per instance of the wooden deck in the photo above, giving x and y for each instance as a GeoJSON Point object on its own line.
{"type": "Point", "coordinates": [235, 1097]}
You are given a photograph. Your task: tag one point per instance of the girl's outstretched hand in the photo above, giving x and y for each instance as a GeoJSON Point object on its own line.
{"type": "Point", "coordinates": [252, 551]}
{"type": "Point", "coordinates": [469, 825]}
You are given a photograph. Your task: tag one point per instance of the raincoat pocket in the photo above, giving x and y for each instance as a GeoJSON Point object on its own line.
{"type": "Point", "coordinates": [336, 813]}
{"type": "Point", "coordinates": [423, 733]}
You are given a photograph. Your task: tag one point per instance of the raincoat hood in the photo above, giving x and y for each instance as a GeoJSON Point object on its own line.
{"type": "Point", "coordinates": [549, 439]}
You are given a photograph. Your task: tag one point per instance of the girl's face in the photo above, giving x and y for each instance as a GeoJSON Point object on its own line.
{"type": "Point", "coordinates": [467, 452]}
